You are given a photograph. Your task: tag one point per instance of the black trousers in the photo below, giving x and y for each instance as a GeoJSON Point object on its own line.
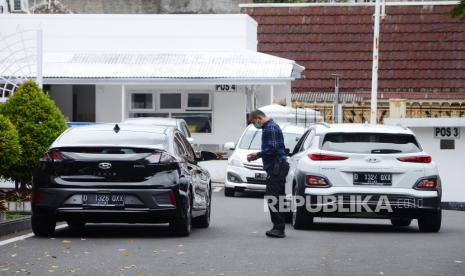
{"type": "Point", "coordinates": [275, 187]}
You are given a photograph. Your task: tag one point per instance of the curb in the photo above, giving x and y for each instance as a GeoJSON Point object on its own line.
{"type": "Point", "coordinates": [16, 225]}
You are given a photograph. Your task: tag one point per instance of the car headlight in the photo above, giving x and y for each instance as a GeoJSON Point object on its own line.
{"type": "Point", "coordinates": [235, 162]}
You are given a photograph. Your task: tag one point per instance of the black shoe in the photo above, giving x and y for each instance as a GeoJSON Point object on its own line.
{"type": "Point", "coordinates": [275, 233]}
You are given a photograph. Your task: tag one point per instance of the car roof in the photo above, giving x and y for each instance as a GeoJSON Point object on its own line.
{"type": "Point", "coordinates": [360, 128]}
{"type": "Point", "coordinates": [153, 121]}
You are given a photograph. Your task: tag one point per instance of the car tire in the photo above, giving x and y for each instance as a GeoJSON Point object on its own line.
{"type": "Point", "coordinates": [229, 192]}
{"type": "Point", "coordinates": [182, 223]}
{"type": "Point", "coordinates": [43, 226]}
{"type": "Point", "coordinates": [300, 219]}
{"type": "Point", "coordinates": [431, 222]}
{"type": "Point", "coordinates": [401, 222]}
{"type": "Point", "coordinates": [203, 221]}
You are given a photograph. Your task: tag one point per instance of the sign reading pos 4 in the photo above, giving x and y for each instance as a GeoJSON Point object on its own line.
{"type": "Point", "coordinates": [447, 132]}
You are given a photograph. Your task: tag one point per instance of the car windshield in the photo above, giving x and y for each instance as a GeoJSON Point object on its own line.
{"type": "Point", "coordinates": [252, 140]}
{"type": "Point", "coordinates": [109, 137]}
{"type": "Point", "coordinates": [377, 143]}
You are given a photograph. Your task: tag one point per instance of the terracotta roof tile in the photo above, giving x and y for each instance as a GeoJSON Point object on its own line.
{"type": "Point", "coordinates": [421, 47]}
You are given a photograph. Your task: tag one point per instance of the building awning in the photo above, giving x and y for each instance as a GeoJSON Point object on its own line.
{"type": "Point", "coordinates": [95, 67]}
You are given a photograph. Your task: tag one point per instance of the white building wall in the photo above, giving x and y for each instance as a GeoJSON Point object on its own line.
{"type": "Point", "coordinates": [97, 32]}
{"type": "Point", "coordinates": [229, 119]}
{"type": "Point", "coordinates": [108, 103]}
{"type": "Point", "coordinates": [450, 162]}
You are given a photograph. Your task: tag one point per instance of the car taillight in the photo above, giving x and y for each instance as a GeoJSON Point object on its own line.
{"type": "Point", "coordinates": [430, 183]}
{"type": "Point", "coordinates": [53, 156]}
{"type": "Point", "coordinates": [316, 181]}
{"type": "Point", "coordinates": [326, 157]}
{"type": "Point", "coordinates": [37, 197]}
{"type": "Point", "coordinates": [161, 158]}
{"type": "Point", "coordinates": [172, 198]}
{"type": "Point", "coordinates": [416, 159]}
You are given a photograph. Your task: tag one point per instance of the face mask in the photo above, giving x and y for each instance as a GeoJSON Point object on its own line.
{"type": "Point", "coordinates": [257, 125]}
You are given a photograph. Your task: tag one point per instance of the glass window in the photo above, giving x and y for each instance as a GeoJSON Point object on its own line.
{"type": "Point", "coordinates": [189, 151]}
{"type": "Point", "coordinates": [141, 101]}
{"type": "Point", "coordinates": [17, 5]}
{"type": "Point", "coordinates": [198, 100]}
{"type": "Point", "coordinates": [178, 148]}
{"type": "Point", "coordinates": [140, 114]}
{"type": "Point", "coordinates": [106, 137]}
{"type": "Point", "coordinates": [252, 140]}
{"type": "Point", "coordinates": [196, 122]}
{"type": "Point", "coordinates": [377, 143]}
{"type": "Point", "coordinates": [447, 144]}
{"type": "Point", "coordinates": [170, 101]}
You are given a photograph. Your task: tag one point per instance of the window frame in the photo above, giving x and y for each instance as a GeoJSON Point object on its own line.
{"type": "Point", "coordinates": [141, 110]}
{"type": "Point", "coordinates": [210, 98]}
{"type": "Point", "coordinates": [169, 110]}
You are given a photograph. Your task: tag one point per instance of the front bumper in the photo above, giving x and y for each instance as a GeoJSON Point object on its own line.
{"type": "Point", "coordinates": [371, 202]}
{"type": "Point", "coordinates": [140, 205]}
{"type": "Point", "coordinates": [247, 179]}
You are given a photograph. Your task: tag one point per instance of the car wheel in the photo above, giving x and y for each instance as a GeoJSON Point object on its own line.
{"type": "Point", "coordinates": [77, 225]}
{"type": "Point", "coordinates": [182, 222]}
{"type": "Point", "coordinates": [401, 221]}
{"type": "Point", "coordinates": [203, 221]}
{"type": "Point", "coordinates": [431, 222]}
{"type": "Point", "coordinates": [43, 226]}
{"type": "Point", "coordinates": [301, 219]}
{"type": "Point", "coordinates": [229, 192]}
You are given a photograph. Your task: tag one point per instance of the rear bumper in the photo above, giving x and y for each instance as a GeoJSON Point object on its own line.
{"type": "Point", "coordinates": [140, 205]}
{"type": "Point", "coordinates": [371, 202]}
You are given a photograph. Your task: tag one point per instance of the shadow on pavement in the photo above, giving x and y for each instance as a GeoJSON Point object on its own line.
{"type": "Point", "coordinates": [119, 231]}
{"type": "Point", "coordinates": [361, 227]}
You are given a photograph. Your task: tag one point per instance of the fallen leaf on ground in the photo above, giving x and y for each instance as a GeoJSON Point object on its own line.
{"type": "Point", "coordinates": [66, 241]}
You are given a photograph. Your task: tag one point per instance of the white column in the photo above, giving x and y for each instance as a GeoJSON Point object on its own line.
{"type": "Point", "coordinates": [39, 58]}
{"type": "Point", "coordinates": [374, 73]}
{"type": "Point", "coordinates": [123, 102]}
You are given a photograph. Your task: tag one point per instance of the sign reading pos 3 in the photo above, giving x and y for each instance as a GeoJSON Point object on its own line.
{"type": "Point", "coordinates": [447, 132]}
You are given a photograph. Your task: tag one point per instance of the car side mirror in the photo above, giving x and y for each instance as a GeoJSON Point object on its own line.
{"type": "Point", "coordinates": [230, 146]}
{"type": "Point", "coordinates": [206, 156]}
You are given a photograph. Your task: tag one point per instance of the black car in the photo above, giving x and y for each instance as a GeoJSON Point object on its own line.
{"type": "Point", "coordinates": [124, 174]}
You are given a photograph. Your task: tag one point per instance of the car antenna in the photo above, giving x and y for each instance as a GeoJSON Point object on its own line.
{"type": "Point", "coordinates": [116, 128]}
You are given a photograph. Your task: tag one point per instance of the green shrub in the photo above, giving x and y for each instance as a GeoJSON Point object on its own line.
{"type": "Point", "coordinates": [9, 147]}
{"type": "Point", "coordinates": [38, 122]}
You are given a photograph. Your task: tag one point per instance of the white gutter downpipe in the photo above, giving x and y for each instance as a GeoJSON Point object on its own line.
{"type": "Point", "coordinates": [374, 71]}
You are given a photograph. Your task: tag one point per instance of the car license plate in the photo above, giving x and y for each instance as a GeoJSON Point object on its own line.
{"type": "Point", "coordinates": [260, 176]}
{"type": "Point", "coordinates": [109, 200]}
{"type": "Point", "coordinates": [382, 179]}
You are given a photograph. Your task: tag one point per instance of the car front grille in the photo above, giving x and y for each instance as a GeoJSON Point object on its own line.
{"type": "Point", "coordinates": [252, 166]}
{"type": "Point", "coordinates": [252, 180]}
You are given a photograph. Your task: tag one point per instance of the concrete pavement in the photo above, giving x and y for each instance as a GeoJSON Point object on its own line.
{"type": "Point", "coordinates": [235, 244]}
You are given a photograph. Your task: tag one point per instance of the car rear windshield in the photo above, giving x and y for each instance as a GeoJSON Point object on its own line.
{"type": "Point", "coordinates": [252, 140]}
{"type": "Point", "coordinates": [377, 143]}
{"type": "Point", "coordinates": [109, 137]}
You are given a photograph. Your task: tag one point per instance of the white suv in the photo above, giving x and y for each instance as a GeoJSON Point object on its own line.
{"type": "Point", "coordinates": [361, 170]}
{"type": "Point", "coordinates": [242, 175]}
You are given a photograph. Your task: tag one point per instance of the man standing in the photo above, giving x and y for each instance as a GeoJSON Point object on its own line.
{"type": "Point", "coordinates": [275, 164]}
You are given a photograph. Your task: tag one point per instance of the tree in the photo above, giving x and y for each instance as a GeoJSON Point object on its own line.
{"type": "Point", "coordinates": [9, 147]}
{"type": "Point", "coordinates": [459, 10]}
{"type": "Point", "coordinates": [38, 122]}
